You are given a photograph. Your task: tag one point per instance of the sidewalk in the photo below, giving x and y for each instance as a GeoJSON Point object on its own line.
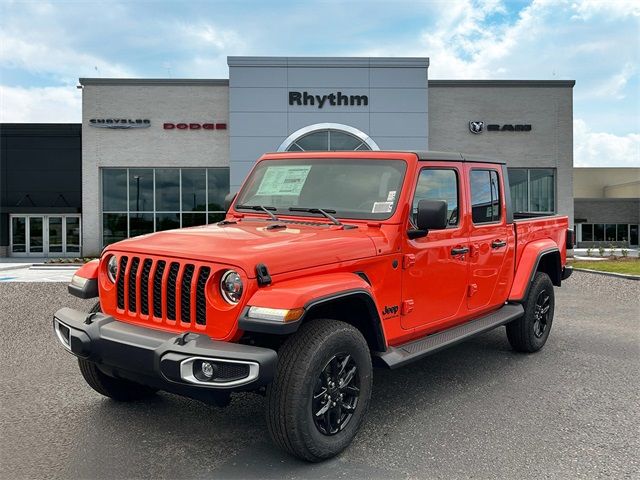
{"type": "Point", "coordinates": [32, 269]}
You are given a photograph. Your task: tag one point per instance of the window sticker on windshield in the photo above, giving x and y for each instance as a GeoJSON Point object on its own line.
{"type": "Point", "coordinates": [382, 207]}
{"type": "Point", "coordinates": [392, 196]}
{"type": "Point", "coordinates": [283, 180]}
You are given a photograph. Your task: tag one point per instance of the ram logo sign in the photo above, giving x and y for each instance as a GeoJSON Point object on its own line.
{"type": "Point", "coordinates": [477, 127]}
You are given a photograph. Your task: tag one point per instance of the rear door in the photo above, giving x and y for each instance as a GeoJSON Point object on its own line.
{"type": "Point", "coordinates": [489, 240]}
{"type": "Point", "coordinates": [434, 277]}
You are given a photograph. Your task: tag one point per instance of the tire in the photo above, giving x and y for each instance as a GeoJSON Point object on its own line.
{"type": "Point", "coordinates": [321, 352]}
{"type": "Point", "coordinates": [530, 332]}
{"type": "Point", "coordinates": [115, 388]}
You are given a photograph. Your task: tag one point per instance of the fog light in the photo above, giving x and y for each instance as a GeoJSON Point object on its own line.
{"type": "Point", "coordinates": [207, 369]}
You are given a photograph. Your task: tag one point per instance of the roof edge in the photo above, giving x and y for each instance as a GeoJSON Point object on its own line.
{"type": "Point", "coordinates": [502, 83]}
{"type": "Point", "coordinates": [154, 81]}
{"type": "Point", "coordinates": [350, 62]}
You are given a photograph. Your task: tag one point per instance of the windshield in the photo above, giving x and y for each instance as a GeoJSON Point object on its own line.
{"type": "Point", "coordinates": [346, 188]}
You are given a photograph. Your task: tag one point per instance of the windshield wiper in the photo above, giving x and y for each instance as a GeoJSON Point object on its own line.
{"type": "Point", "coordinates": [326, 212]}
{"type": "Point", "coordinates": [261, 208]}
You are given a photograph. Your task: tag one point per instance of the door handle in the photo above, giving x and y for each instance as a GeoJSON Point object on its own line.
{"type": "Point", "coordinates": [498, 244]}
{"type": "Point", "coordinates": [459, 250]}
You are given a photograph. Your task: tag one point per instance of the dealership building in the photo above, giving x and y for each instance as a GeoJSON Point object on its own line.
{"type": "Point", "coordinates": [163, 153]}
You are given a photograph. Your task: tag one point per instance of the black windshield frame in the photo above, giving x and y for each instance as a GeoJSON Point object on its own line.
{"type": "Point", "coordinates": [248, 192]}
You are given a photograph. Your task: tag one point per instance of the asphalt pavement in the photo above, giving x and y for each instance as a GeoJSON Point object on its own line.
{"type": "Point", "coordinates": [477, 410]}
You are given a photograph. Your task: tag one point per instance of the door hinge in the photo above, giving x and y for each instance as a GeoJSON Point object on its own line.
{"type": "Point", "coordinates": [473, 289]}
{"type": "Point", "coordinates": [407, 307]}
{"type": "Point", "coordinates": [409, 260]}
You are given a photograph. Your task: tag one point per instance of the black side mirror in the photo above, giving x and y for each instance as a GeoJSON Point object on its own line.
{"type": "Point", "coordinates": [228, 200]}
{"type": "Point", "coordinates": [432, 215]}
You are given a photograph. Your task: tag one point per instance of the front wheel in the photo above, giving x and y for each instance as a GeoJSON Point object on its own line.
{"type": "Point", "coordinates": [321, 391]}
{"type": "Point", "coordinates": [530, 332]}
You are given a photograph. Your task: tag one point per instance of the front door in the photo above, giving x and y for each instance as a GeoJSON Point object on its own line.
{"type": "Point", "coordinates": [45, 235]}
{"type": "Point", "coordinates": [435, 267]}
{"type": "Point", "coordinates": [488, 237]}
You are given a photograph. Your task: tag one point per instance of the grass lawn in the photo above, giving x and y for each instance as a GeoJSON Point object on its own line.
{"type": "Point", "coordinates": [629, 266]}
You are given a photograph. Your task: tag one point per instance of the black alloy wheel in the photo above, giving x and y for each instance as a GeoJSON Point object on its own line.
{"type": "Point", "coordinates": [541, 314]}
{"type": "Point", "coordinates": [336, 393]}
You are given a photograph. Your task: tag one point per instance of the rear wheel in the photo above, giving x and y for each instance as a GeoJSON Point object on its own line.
{"type": "Point", "coordinates": [116, 388]}
{"type": "Point", "coordinates": [321, 391]}
{"type": "Point", "coordinates": [530, 332]}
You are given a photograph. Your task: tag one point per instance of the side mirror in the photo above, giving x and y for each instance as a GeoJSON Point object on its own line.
{"type": "Point", "coordinates": [228, 200]}
{"type": "Point", "coordinates": [432, 215]}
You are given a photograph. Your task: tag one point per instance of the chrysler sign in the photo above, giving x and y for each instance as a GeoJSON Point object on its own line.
{"type": "Point", "coordinates": [120, 123]}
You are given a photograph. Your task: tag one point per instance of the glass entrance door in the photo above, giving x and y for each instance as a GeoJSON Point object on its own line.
{"type": "Point", "coordinates": [45, 235]}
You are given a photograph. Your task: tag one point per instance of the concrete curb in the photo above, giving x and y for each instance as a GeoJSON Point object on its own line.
{"type": "Point", "coordinates": [609, 274]}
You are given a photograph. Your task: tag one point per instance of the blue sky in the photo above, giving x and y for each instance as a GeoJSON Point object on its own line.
{"type": "Point", "coordinates": [45, 46]}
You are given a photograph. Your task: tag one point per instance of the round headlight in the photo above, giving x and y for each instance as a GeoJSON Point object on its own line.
{"type": "Point", "coordinates": [112, 268]}
{"type": "Point", "coordinates": [231, 287]}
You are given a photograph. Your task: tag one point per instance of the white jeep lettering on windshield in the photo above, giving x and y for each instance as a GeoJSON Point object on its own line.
{"type": "Point", "coordinates": [283, 180]}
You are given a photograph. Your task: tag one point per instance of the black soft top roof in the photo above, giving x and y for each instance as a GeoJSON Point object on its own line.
{"type": "Point", "coordinates": [455, 157]}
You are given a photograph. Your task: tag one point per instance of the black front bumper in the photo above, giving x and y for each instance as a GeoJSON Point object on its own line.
{"type": "Point", "coordinates": [162, 359]}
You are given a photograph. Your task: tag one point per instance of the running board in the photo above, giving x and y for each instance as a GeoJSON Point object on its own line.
{"type": "Point", "coordinates": [399, 356]}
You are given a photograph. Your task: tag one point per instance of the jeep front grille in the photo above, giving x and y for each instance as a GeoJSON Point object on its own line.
{"type": "Point", "coordinates": [175, 294]}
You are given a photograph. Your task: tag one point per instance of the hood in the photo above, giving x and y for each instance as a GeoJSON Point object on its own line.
{"type": "Point", "coordinates": [249, 242]}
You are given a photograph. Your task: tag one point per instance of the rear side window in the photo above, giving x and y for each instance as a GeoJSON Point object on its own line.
{"type": "Point", "coordinates": [485, 196]}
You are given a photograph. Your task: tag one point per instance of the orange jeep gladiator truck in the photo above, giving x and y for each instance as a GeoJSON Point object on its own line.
{"type": "Point", "coordinates": [327, 264]}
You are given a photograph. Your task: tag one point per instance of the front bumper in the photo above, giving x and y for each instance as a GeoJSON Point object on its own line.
{"type": "Point", "coordinates": [161, 359]}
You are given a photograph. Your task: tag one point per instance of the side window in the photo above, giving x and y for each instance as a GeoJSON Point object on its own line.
{"type": "Point", "coordinates": [438, 184]}
{"type": "Point", "coordinates": [485, 196]}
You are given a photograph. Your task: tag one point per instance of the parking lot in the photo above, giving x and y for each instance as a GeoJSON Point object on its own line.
{"type": "Point", "coordinates": [477, 410]}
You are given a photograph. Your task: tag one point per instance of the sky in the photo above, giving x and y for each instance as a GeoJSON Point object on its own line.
{"type": "Point", "coordinates": [45, 46]}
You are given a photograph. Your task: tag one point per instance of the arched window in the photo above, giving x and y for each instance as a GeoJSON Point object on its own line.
{"type": "Point", "coordinates": [327, 137]}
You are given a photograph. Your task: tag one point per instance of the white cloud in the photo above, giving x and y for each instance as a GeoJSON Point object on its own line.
{"type": "Point", "coordinates": [53, 58]}
{"type": "Point", "coordinates": [614, 86]}
{"type": "Point", "coordinates": [42, 105]}
{"type": "Point", "coordinates": [587, 9]}
{"type": "Point", "coordinates": [600, 149]}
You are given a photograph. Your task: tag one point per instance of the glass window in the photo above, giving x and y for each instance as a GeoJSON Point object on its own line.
{"type": "Point", "coordinates": [587, 232]}
{"type": "Point", "coordinates": [532, 189]}
{"type": "Point", "coordinates": [36, 238]}
{"type": "Point", "coordinates": [633, 235]}
{"type": "Point", "coordinates": [167, 221]}
{"type": "Point", "coordinates": [485, 196]}
{"type": "Point", "coordinates": [218, 188]}
{"type": "Point", "coordinates": [55, 234]}
{"type": "Point", "coordinates": [114, 227]}
{"type": "Point", "coordinates": [438, 184]}
{"type": "Point", "coordinates": [141, 190]}
{"type": "Point", "coordinates": [329, 139]}
{"type": "Point", "coordinates": [357, 189]}
{"type": "Point", "coordinates": [19, 234]}
{"type": "Point", "coordinates": [193, 219]}
{"type": "Point", "coordinates": [147, 200]}
{"type": "Point", "coordinates": [598, 232]}
{"type": "Point", "coordinates": [73, 234]}
{"type": "Point", "coordinates": [519, 184]}
{"type": "Point", "coordinates": [622, 232]}
{"type": "Point", "coordinates": [114, 190]}
{"type": "Point", "coordinates": [167, 189]}
{"type": "Point", "coordinates": [194, 188]}
{"type": "Point", "coordinates": [541, 185]}
{"type": "Point", "coordinates": [140, 223]}
{"type": "Point", "coordinates": [610, 232]}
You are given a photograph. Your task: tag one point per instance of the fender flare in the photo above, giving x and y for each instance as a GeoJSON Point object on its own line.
{"type": "Point", "coordinates": [310, 293]}
{"type": "Point", "coordinates": [84, 283]}
{"type": "Point", "coordinates": [532, 256]}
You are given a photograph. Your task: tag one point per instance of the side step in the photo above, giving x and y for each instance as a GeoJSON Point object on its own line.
{"type": "Point", "coordinates": [398, 356]}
